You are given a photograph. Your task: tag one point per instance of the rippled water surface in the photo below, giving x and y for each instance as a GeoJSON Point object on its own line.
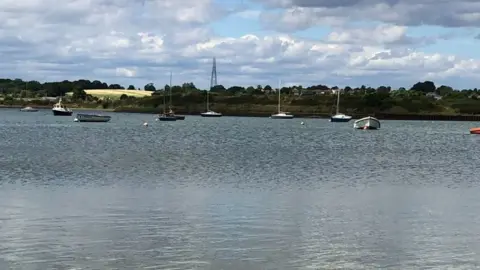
{"type": "Point", "coordinates": [236, 193]}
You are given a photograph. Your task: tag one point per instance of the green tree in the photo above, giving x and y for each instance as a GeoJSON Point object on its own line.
{"type": "Point", "coordinates": [149, 87]}
{"type": "Point", "coordinates": [444, 90]}
{"type": "Point", "coordinates": [79, 94]}
{"type": "Point", "coordinates": [424, 87]}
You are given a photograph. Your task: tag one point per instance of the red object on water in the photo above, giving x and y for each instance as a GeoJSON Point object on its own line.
{"type": "Point", "coordinates": [475, 130]}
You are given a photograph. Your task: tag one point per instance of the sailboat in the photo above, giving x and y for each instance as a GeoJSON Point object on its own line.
{"type": "Point", "coordinates": [280, 114]}
{"type": "Point", "coordinates": [170, 110]}
{"type": "Point", "coordinates": [339, 117]}
{"type": "Point", "coordinates": [210, 113]}
{"type": "Point", "coordinates": [167, 116]}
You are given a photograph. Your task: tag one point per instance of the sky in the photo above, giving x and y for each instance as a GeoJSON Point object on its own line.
{"type": "Point", "coordinates": [255, 42]}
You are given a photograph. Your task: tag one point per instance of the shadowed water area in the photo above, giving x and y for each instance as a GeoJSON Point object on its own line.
{"type": "Point", "coordinates": [236, 193]}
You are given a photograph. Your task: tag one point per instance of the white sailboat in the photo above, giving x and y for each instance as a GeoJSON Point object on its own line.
{"type": "Point", "coordinates": [339, 117]}
{"type": "Point", "coordinates": [210, 113]}
{"type": "Point", "coordinates": [280, 114]}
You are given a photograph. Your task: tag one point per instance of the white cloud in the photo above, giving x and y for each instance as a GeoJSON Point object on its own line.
{"type": "Point", "coordinates": [405, 12]}
{"type": "Point", "coordinates": [126, 72]}
{"type": "Point", "coordinates": [129, 42]}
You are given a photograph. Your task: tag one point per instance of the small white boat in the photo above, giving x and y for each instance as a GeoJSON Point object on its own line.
{"type": "Point", "coordinates": [29, 109]}
{"type": "Point", "coordinates": [367, 123]}
{"type": "Point", "coordinates": [282, 115]}
{"type": "Point", "coordinates": [83, 117]}
{"type": "Point", "coordinates": [340, 117]}
{"type": "Point", "coordinates": [211, 114]}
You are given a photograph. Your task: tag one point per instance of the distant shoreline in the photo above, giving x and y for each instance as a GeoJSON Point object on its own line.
{"type": "Point", "coordinates": [381, 116]}
{"type": "Point", "coordinates": [50, 107]}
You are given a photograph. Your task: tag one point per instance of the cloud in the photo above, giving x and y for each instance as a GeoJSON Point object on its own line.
{"type": "Point", "coordinates": [401, 12]}
{"type": "Point", "coordinates": [378, 35]}
{"type": "Point", "coordinates": [135, 42]}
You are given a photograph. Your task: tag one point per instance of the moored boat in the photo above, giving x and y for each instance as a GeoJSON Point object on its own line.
{"type": "Point", "coordinates": [177, 116]}
{"type": "Point", "coordinates": [368, 122]}
{"type": "Point", "coordinates": [28, 109]}
{"type": "Point", "coordinates": [339, 117]}
{"type": "Point", "coordinates": [170, 115]}
{"type": "Point", "coordinates": [280, 114]}
{"type": "Point", "coordinates": [167, 117]}
{"type": "Point", "coordinates": [211, 114]}
{"type": "Point", "coordinates": [475, 130]}
{"type": "Point", "coordinates": [61, 110]}
{"type": "Point", "coordinates": [83, 117]}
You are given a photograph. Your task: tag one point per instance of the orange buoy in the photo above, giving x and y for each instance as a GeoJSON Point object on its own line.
{"type": "Point", "coordinates": [475, 130]}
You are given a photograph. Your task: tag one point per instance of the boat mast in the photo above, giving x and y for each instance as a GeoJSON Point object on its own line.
{"type": "Point", "coordinates": [170, 89]}
{"type": "Point", "coordinates": [338, 100]}
{"type": "Point", "coordinates": [279, 84]}
{"type": "Point", "coordinates": [208, 92]}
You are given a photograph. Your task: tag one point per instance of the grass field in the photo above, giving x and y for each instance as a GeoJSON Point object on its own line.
{"type": "Point", "coordinates": [115, 94]}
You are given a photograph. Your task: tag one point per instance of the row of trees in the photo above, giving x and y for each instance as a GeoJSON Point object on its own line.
{"type": "Point", "coordinates": [419, 98]}
{"type": "Point", "coordinates": [18, 87]}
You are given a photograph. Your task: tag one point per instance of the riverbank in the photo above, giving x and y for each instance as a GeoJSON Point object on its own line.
{"type": "Point", "coordinates": [50, 107]}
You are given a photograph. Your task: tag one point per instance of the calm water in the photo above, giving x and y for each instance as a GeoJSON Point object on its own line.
{"type": "Point", "coordinates": [236, 193]}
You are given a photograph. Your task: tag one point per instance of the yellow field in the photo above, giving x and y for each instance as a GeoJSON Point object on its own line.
{"type": "Point", "coordinates": [115, 94]}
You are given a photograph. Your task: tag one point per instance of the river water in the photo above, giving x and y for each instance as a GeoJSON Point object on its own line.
{"type": "Point", "coordinates": [236, 193]}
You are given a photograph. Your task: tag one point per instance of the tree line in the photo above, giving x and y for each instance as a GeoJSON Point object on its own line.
{"type": "Point", "coordinates": [21, 88]}
{"type": "Point", "coordinates": [421, 97]}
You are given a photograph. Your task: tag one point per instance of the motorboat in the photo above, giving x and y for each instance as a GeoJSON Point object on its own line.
{"type": "Point", "coordinates": [83, 117]}
{"type": "Point", "coordinates": [368, 122]}
{"type": "Point", "coordinates": [28, 109]}
{"type": "Point", "coordinates": [61, 110]}
{"type": "Point", "coordinates": [475, 130]}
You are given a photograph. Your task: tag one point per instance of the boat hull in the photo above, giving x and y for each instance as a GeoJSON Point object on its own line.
{"type": "Point", "coordinates": [339, 120]}
{"type": "Point", "coordinates": [475, 131]}
{"type": "Point", "coordinates": [211, 114]}
{"type": "Point", "coordinates": [169, 118]}
{"type": "Point", "coordinates": [62, 113]}
{"type": "Point", "coordinates": [28, 110]}
{"type": "Point", "coordinates": [93, 118]}
{"type": "Point", "coordinates": [367, 123]}
{"type": "Point", "coordinates": [180, 117]}
{"type": "Point", "coordinates": [281, 117]}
